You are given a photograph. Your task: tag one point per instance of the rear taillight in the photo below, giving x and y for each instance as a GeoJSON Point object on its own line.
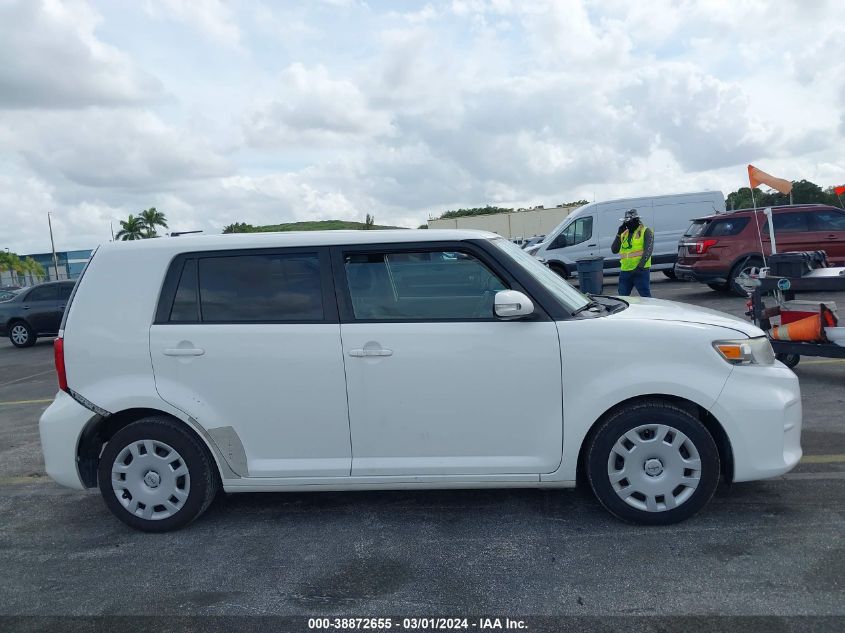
{"type": "Point", "coordinates": [59, 354]}
{"type": "Point", "coordinates": [702, 246]}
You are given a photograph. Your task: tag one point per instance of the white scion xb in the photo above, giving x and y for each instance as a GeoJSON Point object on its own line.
{"type": "Point", "coordinates": [397, 360]}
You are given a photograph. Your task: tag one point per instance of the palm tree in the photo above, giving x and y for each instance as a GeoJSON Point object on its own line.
{"type": "Point", "coordinates": [131, 228]}
{"type": "Point", "coordinates": [33, 269]}
{"type": "Point", "coordinates": [151, 219]}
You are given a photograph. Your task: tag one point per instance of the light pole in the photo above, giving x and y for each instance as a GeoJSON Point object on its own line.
{"type": "Point", "coordinates": [53, 244]}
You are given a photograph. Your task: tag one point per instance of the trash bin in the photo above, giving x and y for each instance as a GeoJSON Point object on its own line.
{"type": "Point", "coordinates": [591, 274]}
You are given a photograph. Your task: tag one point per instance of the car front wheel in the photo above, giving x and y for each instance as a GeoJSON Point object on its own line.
{"type": "Point", "coordinates": [155, 475]}
{"type": "Point", "coordinates": [653, 463]}
{"type": "Point", "coordinates": [22, 335]}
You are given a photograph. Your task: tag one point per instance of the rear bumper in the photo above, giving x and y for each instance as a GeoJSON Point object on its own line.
{"type": "Point", "coordinates": [706, 277]}
{"type": "Point", "coordinates": [760, 410]}
{"type": "Point", "coordinates": [60, 427]}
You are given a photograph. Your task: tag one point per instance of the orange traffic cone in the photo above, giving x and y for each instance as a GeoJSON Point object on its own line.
{"type": "Point", "coordinates": [809, 329]}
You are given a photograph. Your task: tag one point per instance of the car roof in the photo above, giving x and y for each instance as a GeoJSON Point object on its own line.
{"type": "Point", "coordinates": [299, 239]}
{"type": "Point", "coordinates": [778, 207]}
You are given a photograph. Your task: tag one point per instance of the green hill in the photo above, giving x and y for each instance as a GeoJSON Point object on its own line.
{"type": "Point", "coordinates": [317, 225]}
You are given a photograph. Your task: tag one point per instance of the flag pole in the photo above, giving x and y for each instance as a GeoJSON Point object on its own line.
{"type": "Point", "coordinates": [759, 233]}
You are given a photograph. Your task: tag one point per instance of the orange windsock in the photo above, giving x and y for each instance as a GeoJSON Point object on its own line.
{"type": "Point", "coordinates": [758, 177]}
{"type": "Point", "coordinates": [809, 329]}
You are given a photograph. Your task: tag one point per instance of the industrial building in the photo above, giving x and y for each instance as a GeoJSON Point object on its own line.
{"type": "Point", "coordinates": [70, 265]}
{"type": "Point", "coordinates": [522, 223]}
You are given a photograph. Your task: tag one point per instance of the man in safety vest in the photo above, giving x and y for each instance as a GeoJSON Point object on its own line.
{"type": "Point", "coordinates": [634, 242]}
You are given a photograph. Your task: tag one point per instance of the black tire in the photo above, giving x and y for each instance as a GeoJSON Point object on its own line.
{"type": "Point", "coordinates": [641, 414]}
{"type": "Point", "coordinates": [560, 269]}
{"type": "Point", "coordinates": [790, 360]}
{"type": "Point", "coordinates": [670, 273]}
{"type": "Point", "coordinates": [16, 329]}
{"type": "Point", "coordinates": [203, 478]}
{"type": "Point", "coordinates": [746, 264]}
{"type": "Point", "coordinates": [719, 287]}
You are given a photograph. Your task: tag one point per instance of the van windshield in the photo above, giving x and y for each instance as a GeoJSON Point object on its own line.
{"type": "Point", "coordinates": [571, 298]}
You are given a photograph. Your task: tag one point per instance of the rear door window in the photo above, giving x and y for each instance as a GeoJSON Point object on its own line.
{"type": "Point", "coordinates": [424, 285]}
{"type": "Point", "coordinates": [43, 293]}
{"type": "Point", "coordinates": [828, 221]}
{"type": "Point", "coordinates": [789, 223]}
{"type": "Point", "coordinates": [255, 288]}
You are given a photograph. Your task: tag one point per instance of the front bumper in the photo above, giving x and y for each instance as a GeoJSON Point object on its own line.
{"type": "Point", "coordinates": [760, 410]}
{"type": "Point", "coordinates": [689, 273]}
{"type": "Point", "coordinates": [61, 426]}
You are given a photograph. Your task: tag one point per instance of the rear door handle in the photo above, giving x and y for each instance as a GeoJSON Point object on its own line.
{"type": "Point", "coordinates": [25, 307]}
{"type": "Point", "coordinates": [362, 353]}
{"type": "Point", "coordinates": [184, 351]}
{"type": "Point", "coordinates": [591, 245]}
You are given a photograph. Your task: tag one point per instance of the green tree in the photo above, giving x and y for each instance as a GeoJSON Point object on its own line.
{"type": "Point", "coordinates": [803, 192]}
{"type": "Point", "coordinates": [13, 264]}
{"type": "Point", "coordinates": [33, 269]}
{"type": "Point", "coordinates": [369, 222]}
{"type": "Point", "coordinates": [151, 219]}
{"type": "Point", "coordinates": [239, 227]}
{"type": "Point", "coordinates": [131, 228]}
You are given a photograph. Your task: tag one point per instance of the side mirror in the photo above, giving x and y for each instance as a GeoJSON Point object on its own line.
{"type": "Point", "coordinates": [512, 304]}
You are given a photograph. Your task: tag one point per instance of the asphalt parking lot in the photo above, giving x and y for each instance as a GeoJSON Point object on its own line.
{"type": "Point", "coordinates": [765, 548]}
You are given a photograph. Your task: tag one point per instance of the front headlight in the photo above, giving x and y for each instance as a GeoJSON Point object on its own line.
{"type": "Point", "coordinates": [749, 351]}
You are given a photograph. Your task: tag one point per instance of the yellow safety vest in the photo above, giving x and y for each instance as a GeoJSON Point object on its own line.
{"type": "Point", "coordinates": [632, 252]}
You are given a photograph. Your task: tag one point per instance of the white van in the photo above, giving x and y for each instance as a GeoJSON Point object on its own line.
{"type": "Point", "coordinates": [590, 230]}
{"type": "Point", "coordinates": [352, 360]}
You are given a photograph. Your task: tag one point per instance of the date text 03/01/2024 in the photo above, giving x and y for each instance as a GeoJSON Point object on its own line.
{"type": "Point", "coordinates": [416, 624]}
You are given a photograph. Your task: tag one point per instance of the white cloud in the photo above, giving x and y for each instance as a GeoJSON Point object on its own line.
{"type": "Point", "coordinates": [313, 107]}
{"type": "Point", "coordinates": [339, 108]}
{"type": "Point", "coordinates": [52, 58]}
{"type": "Point", "coordinates": [213, 18]}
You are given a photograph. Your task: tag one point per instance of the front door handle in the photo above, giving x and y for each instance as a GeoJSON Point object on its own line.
{"type": "Point", "coordinates": [591, 245]}
{"type": "Point", "coordinates": [184, 351]}
{"type": "Point", "coordinates": [363, 353]}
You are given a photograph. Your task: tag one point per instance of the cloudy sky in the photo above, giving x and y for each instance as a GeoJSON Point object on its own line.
{"type": "Point", "coordinates": [266, 111]}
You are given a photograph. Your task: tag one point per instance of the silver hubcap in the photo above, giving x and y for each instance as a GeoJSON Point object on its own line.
{"type": "Point", "coordinates": [150, 479]}
{"type": "Point", "coordinates": [654, 467]}
{"type": "Point", "coordinates": [19, 334]}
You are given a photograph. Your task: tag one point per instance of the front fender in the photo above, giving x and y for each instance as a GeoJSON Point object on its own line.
{"type": "Point", "coordinates": [606, 362]}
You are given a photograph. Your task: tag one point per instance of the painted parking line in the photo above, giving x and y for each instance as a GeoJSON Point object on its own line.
{"type": "Point", "coordinates": [12, 382]}
{"type": "Point", "coordinates": [822, 362]}
{"type": "Point", "coordinates": [823, 459]}
{"type": "Point", "coordinates": [13, 402]}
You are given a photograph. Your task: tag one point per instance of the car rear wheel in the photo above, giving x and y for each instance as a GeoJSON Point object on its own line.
{"type": "Point", "coordinates": [155, 475]}
{"type": "Point", "coordinates": [653, 463]}
{"type": "Point", "coordinates": [21, 334]}
{"type": "Point", "coordinates": [745, 266]}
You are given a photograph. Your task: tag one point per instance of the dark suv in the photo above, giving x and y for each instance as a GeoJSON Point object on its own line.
{"type": "Point", "coordinates": [717, 248]}
{"type": "Point", "coordinates": [34, 312]}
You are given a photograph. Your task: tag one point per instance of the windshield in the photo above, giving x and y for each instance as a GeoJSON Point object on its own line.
{"type": "Point", "coordinates": [571, 298]}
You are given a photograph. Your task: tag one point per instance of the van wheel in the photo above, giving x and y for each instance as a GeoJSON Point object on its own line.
{"type": "Point", "coordinates": [790, 360]}
{"type": "Point", "coordinates": [22, 335]}
{"type": "Point", "coordinates": [744, 266]}
{"type": "Point", "coordinates": [155, 475]}
{"type": "Point", "coordinates": [653, 463]}
{"type": "Point", "coordinates": [560, 269]}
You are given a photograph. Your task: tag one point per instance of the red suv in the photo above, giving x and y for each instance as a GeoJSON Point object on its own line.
{"type": "Point", "coordinates": [717, 248]}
